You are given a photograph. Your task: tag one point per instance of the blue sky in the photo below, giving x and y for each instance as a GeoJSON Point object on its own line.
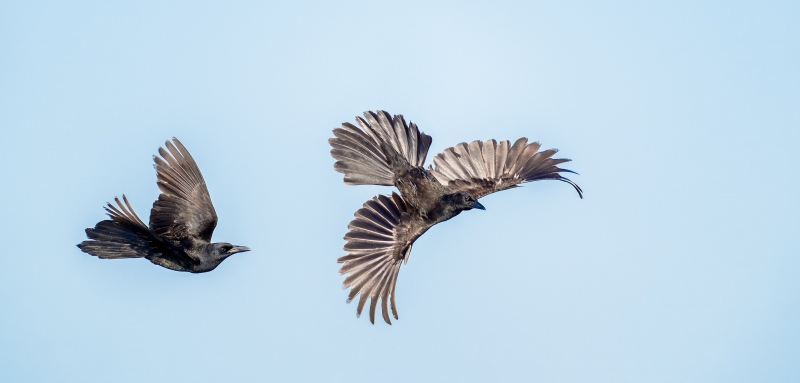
{"type": "Point", "coordinates": [680, 264]}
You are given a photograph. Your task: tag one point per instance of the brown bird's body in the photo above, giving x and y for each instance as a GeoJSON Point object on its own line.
{"type": "Point", "coordinates": [387, 151]}
{"type": "Point", "coordinates": [181, 221]}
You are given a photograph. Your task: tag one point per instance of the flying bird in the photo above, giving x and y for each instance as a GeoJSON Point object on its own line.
{"type": "Point", "coordinates": [384, 150]}
{"type": "Point", "coordinates": [181, 221]}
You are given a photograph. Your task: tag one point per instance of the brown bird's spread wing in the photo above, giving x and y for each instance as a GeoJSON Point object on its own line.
{"type": "Point", "coordinates": [485, 167]}
{"type": "Point", "coordinates": [184, 207]}
{"type": "Point", "coordinates": [379, 240]}
{"type": "Point", "coordinates": [373, 153]}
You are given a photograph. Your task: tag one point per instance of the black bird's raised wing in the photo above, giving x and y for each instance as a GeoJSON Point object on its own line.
{"type": "Point", "coordinates": [183, 208]}
{"type": "Point", "coordinates": [372, 154]}
{"type": "Point", "coordinates": [379, 240]}
{"type": "Point", "coordinates": [485, 167]}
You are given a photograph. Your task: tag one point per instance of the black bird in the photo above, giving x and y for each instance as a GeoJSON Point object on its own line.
{"type": "Point", "coordinates": [387, 151]}
{"type": "Point", "coordinates": [181, 221]}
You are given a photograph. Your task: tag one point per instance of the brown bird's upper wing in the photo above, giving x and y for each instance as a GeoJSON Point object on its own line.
{"type": "Point", "coordinates": [485, 167]}
{"type": "Point", "coordinates": [183, 208]}
{"type": "Point", "coordinates": [379, 240]}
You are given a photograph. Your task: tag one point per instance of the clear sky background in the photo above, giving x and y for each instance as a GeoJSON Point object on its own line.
{"type": "Point", "coordinates": [680, 265]}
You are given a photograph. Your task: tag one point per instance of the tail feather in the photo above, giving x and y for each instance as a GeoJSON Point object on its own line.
{"type": "Point", "coordinates": [110, 240]}
{"type": "Point", "coordinates": [371, 154]}
{"type": "Point", "coordinates": [124, 236]}
{"type": "Point", "coordinates": [122, 214]}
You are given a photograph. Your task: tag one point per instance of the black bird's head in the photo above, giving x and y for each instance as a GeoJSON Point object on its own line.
{"type": "Point", "coordinates": [466, 201]}
{"type": "Point", "coordinates": [224, 250]}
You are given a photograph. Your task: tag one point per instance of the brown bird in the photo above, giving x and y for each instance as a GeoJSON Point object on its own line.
{"type": "Point", "coordinates": [387, 151]}
{"type": "Point", "coordinates": [181, 221]}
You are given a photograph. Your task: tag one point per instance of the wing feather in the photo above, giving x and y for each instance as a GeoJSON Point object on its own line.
{"type": "Point", "coordinates": [378, 241]}
{"type": "Point", "coordinates": [476, 159]}
{"type": "Point", "coordinates": [453, 160]}
{"type": "Point", "coordinates": [513, 153]}
{"type": "Point", "coordinates": [485, 167]}
{"type": "Point", "coordinates": [487, 156]}
{"type": "Point", "coordinates": [445, 168]}
{"type": "Point", "coordinates": [500, 158]}
{"type": "Point", "coordinates": [373, 152]}
{"type": "Point", "coordinates": [184, 207]}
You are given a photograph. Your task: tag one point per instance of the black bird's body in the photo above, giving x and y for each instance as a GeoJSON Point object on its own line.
{"type": "Point", "coordinates": [181, 221]}
{"type": "Point", "coordinates": [387, 151]}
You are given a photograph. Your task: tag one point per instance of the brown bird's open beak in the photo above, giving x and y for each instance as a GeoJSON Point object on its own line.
{"type": "Point", "coordinates": [477, 205]}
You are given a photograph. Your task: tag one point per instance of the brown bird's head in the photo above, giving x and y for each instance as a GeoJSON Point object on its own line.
{"type": "Point", "coordinates": [465, 201]}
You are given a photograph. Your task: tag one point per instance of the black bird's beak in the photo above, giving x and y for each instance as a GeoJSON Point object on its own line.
{"type": "Point", "coordinates": [477, 205]}
{"type": "Point", "coordinates": [239, 249]}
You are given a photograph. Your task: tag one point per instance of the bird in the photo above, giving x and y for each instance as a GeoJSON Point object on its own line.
{"type": "Point", "coordinates": [385, 150]}
{"type": "Point", "coordinates": [181, 221]}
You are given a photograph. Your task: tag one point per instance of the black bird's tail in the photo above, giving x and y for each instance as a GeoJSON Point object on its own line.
{"type": "Point", "coordinates": [370, 155]}
{"type": "Point", "coordinates": [124, 236]}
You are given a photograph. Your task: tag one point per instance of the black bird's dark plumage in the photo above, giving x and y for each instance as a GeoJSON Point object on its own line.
{"type": "Point", "coordinates": [384, 150]}
{"type": "Point", "coordinates": [181, 221]}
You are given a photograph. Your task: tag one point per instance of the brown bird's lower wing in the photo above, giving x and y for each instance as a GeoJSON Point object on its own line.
{"type": "Point", "coordinates": [379, 240]}
{"type": "Point", "coordinates": [485, 167]}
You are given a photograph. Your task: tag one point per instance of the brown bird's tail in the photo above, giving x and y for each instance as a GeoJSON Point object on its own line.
{"type": "Point", "coordinates": [370, 155]}
{"type": "Point", "coordinates": [121, 237]}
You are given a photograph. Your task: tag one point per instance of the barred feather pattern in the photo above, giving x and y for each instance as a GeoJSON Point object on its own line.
{"type": "Point", "coordinates": [485, 167]}
{"type": "Point", "coordinates": [378, 241]}
{"type": "Point", "coordinates": [368, 155]}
